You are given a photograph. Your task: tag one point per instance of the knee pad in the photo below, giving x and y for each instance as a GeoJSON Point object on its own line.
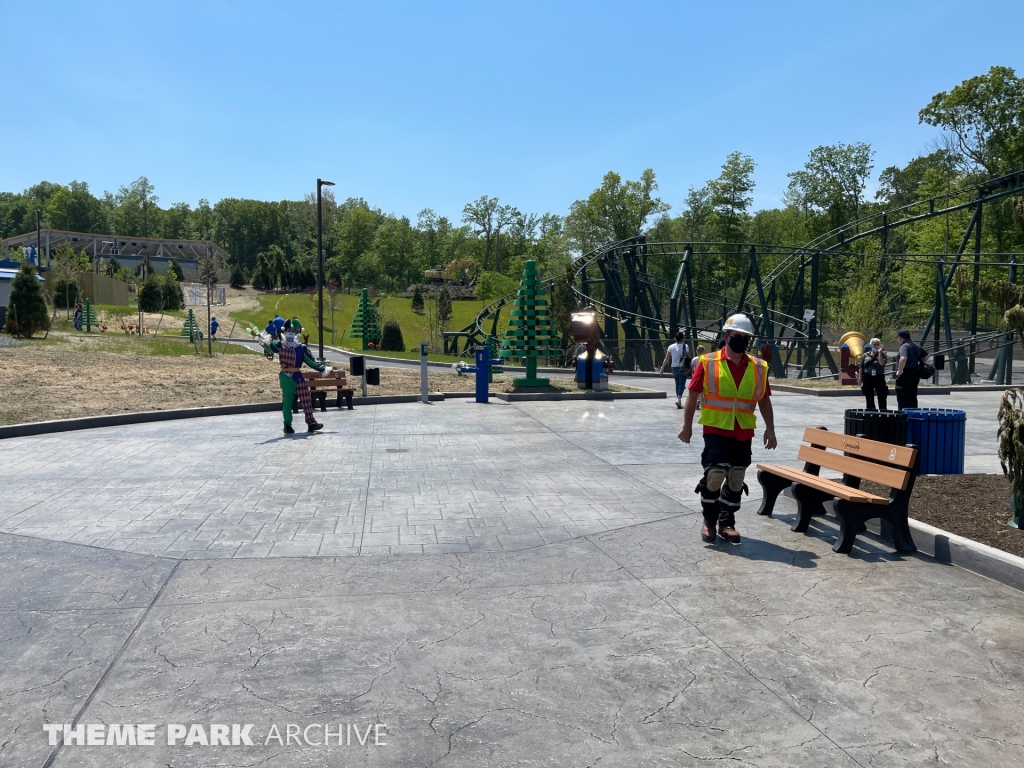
{"type": "Point", "coordinates": [735, 478]}
{"type": "Point", "coordinates": [733, 490]}
{"type": "Point", "coordinates": [714, 478]}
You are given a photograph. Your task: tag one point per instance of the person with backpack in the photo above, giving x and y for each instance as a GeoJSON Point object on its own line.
{"type": "Point", "coordinates": [872, 374]}
{"type": "Point", "coordinates": [908, 373]}
{"type": "Point", "coordinates": [678, 355]}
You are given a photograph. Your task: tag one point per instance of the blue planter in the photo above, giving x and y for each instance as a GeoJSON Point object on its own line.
{"type": "Point", "coordinates": [940, 435]}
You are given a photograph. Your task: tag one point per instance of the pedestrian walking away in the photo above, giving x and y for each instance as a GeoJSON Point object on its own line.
{"type": "Point", "coordinates": [872, 374]}
{"type": "Point", "coordinates": [908, 371]}
{"type": "Point", "coordinates": [732, 384]}
{"type": "Point", "coordinates": [678, 355]}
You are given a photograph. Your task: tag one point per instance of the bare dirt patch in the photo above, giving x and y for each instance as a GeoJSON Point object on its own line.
{"type": "Point", "coordinates": [72, 376]}
{"type": "Point", "coordinates": [973, 506]}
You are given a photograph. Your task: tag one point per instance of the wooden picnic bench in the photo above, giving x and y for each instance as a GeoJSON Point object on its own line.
{"type": "Point", "coordinates": [858, 458]}
{"type": "Point", "coordinates": [320, 383]}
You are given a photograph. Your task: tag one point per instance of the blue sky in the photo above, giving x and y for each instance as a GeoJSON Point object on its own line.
{"type": "Point", "coordinates": [411, 105]}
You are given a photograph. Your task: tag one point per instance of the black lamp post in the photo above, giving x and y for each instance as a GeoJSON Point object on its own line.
{"type": "Point", "coordinates": [320, 263]}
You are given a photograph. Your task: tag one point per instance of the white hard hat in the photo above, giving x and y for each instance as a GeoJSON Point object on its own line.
{"type": "Point", "coordinates": [740, 323]}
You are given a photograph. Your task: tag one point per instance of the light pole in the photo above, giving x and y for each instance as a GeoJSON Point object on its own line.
{"type": "Point", "coordinates": [320, 264]}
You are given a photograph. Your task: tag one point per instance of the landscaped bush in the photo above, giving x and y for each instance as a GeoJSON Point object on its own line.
{"type": "Point", "coordinates": [26, 308]}
{"type": "Point", "coordinates": [65, 293]}
{"type": "Point", "coordinates": [417, 301]}
{"type": "Point", "coordinates": [172, 295]}
{"type": "Point", "coordinates": [151, 295]}
{"type": "Point", "coordinates": [391, 338]}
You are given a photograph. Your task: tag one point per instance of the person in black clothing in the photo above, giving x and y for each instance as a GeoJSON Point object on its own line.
{"type": "Point", "coordinates": [908, 374]}
{"type": "Point", "coordinates": [872, 374]}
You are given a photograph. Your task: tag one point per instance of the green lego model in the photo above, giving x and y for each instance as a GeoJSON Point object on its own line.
{"type": "Point", "coordinates": [531, 332]}
{"type": "Point", "coordinates": [191, 328]}
{"type": "Point", "coordinates": [365, 325]}
{"type": "Point", "coordinates": [89, 316]}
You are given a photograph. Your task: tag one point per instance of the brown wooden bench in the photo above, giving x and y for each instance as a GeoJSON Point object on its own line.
{"type": "Point", "coordinates": [859, 459]}
{"type": "Point", "coordinates": [319, 384]}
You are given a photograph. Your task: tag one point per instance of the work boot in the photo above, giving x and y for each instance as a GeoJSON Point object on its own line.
{"type": "Point", "coordinates": [314, 426]}
{"type": "Point", "coordinates": [707, 531]}
{"type": "Point", "coordinates": [289, 429]}
{"type": "Point", "coordinates": [728, 532]}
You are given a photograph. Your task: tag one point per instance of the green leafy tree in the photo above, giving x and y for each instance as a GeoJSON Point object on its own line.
{"type": "Point", "coordinates": [416, 305]}
{"type": "Point", "coordinates": [730, 195]}
{"type": "Point", "coordinates": [615, 211]}
{"type": "Point", "coordinates": [174, 271]}
{"type": "Point", "coordinates": [833, 180]}
{"type": "Point", "coordinates": [74, 209]}
{"type": "Point", "coordinates": [66, 264]}
{"type": "Point", "coordinates": [444, 307]}
{"type": "Point", "coordinates": [237, 278]}
{"type": "Point", "coordinates": [985, 117]}
{"type": "Point", "coordinates": [26, 307]}
{"type": "Point", "coordinates": [394, 244]}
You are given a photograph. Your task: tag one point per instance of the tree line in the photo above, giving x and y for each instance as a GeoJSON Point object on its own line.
{"type": "Point", "coordinates": [273, 244]}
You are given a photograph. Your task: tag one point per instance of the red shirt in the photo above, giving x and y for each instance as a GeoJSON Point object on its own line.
{"type": "Point", "coordinates": [737, 370]}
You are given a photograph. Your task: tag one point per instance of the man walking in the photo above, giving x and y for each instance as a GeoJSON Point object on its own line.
{"type": "Point", "coordinates": [678, 355]}
{"type": "Point", "coordinates": [908, 374]}
{"type": "Point", "coordinates": [731, 383]}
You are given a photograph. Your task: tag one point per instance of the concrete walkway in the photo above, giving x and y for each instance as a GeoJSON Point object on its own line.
{"type": "Point", "coordinates": [500, 585]}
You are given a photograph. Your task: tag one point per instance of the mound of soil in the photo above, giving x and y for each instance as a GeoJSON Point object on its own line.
{"type": "Point", "coordinates": [973, 506]}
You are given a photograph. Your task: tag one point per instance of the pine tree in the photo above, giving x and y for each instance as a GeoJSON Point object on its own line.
{"type": "Point", "coordinates": [26, 308]}
{"type": "Point", "coordinates": [530, 333]}
{"type": "Point", "coordinates": [417, 301]}
{"type": "Point", "coordinates": [174, 270]}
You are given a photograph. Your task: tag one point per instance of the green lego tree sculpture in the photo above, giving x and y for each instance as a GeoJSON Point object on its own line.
{"type": "Point", "coordinates": [191, 328]}
{"type": "Point", "coordinates": [89, 316]}
{"type": "Point", "coordinates": [531, 332]}
{"type": "Point", "coordinates": [364, 324]}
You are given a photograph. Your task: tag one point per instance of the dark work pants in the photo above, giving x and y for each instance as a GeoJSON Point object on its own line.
{"type": "Point", "coordinates": [906, 389]}
{"type": "Point", "coordinates": [874, 385]}
{"type": "Point", "coordinates": [719, 449]}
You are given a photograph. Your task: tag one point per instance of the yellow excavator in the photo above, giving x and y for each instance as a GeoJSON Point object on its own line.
{"type": "Point", "coordinates": [459, 272]}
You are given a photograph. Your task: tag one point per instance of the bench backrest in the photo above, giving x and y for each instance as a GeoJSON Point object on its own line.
{"type": "Point", "coordinates": [882, 463]}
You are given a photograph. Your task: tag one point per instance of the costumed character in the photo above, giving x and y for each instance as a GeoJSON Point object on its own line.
{"type": "Point", "coordinates": [292, 355]}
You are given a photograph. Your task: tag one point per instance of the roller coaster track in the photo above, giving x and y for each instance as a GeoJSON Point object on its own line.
{"type": "Point", "coordinates": [633, 296]}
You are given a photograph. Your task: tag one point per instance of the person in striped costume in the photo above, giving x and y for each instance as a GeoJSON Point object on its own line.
{"type": "Point", "coordinates": [732, 384]}
{"type": "Point", "coordinates": [292, 355]}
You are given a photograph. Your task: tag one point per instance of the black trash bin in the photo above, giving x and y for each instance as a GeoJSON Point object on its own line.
{"type": "Point", "coordinates": [883, 426]}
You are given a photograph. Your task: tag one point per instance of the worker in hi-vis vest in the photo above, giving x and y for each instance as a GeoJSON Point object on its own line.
{"type": "Point", "coordinates": [731, 383]}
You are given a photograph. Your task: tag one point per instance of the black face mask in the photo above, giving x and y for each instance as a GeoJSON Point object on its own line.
{"type": "Point", "coordinates": [739, 343]}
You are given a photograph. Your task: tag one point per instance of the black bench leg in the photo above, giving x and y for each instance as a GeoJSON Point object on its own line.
{"type": "Point", "coordinates": [899, 529]}
{"type": "Point", "coordinates": [850, 524]}
{"type": "Point", "coordinates": [322, 400]}
{"type": "Point", "coordinates": [348, 400]}
{"type": "Point", "coordinates": [808, 504]}
{"type": "Point", "coordinates": [771, 486]}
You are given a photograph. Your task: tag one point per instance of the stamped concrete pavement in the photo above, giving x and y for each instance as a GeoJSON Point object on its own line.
{"type": "Point", "coordinates": [497, 585]}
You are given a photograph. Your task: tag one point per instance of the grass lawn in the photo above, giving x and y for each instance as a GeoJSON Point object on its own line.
{"type": "Point", "coordinates": [413, 325]}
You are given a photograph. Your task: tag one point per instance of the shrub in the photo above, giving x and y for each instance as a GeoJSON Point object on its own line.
{"type": "Point", "coordinates": [417, 301]}
{"type": "Point", "coordinates": [173, 297]}
{"type": "Point", "coordinates": [391, 339]}
{"type": "Point", "coordinates": [174, 271]}
{"type": "Point", "coordinates": [237, 278]}
{"type": "Point", "coordinates": [65, 293]}
{"type": "Point", "coordinates": [26, 309]}
{"type": "Point", "coordinates": [151, 295]}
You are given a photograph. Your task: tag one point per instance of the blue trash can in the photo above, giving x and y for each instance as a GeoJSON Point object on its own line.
{"type": "Point", "coordinates": [940, 434]}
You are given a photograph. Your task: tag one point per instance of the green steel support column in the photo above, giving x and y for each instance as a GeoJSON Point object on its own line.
{"type": "Point", "coordinates": [977, 277]}
{"type": "Point", "coordinates": [1008, 376]}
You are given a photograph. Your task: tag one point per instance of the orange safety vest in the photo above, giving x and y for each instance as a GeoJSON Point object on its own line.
{"type": "Point", "coordinates": [725, 404]}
